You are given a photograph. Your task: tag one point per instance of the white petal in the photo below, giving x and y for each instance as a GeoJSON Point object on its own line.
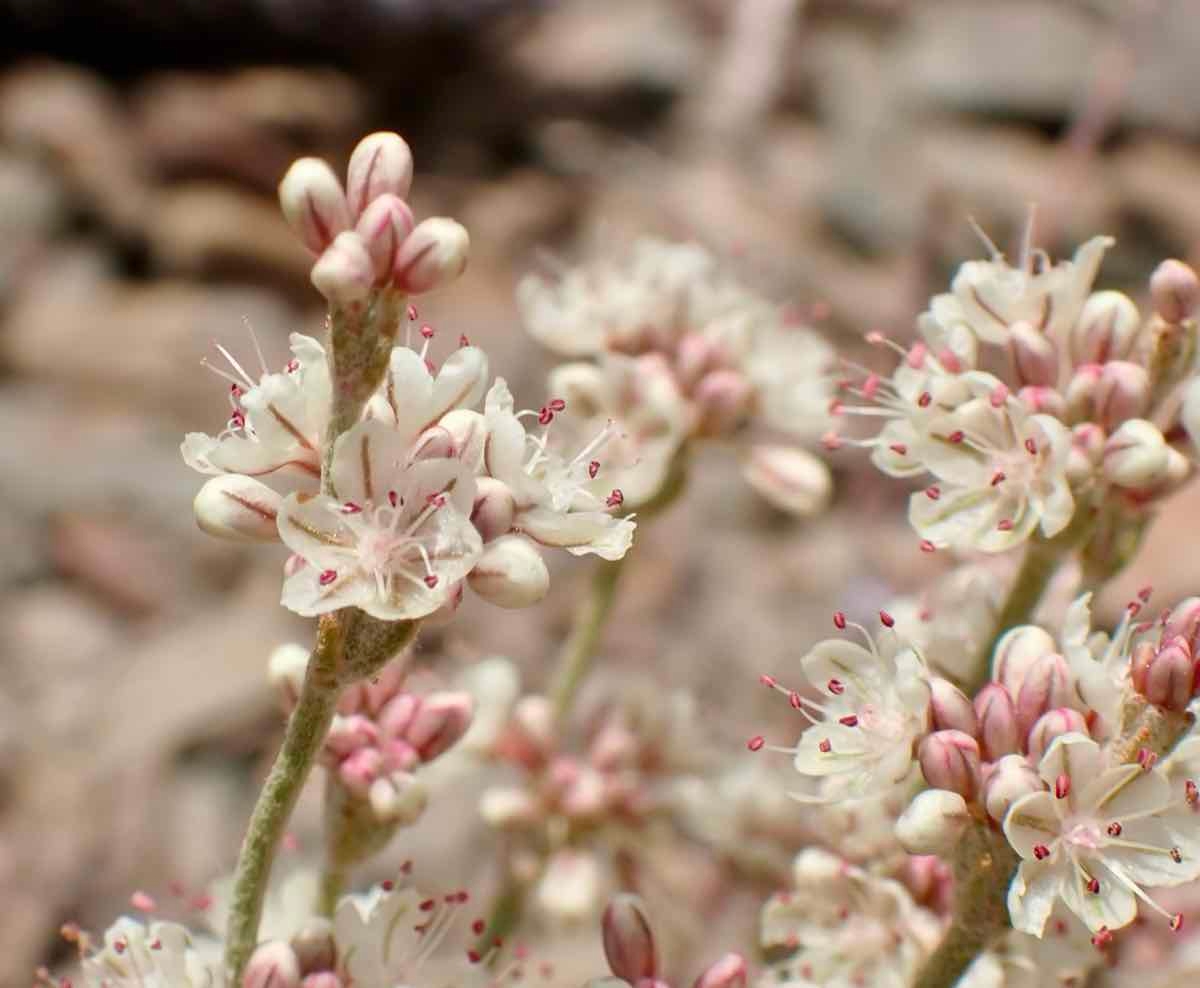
{"type": "Point", "coordinates": [1031, 896]}
{"type": "Point", "coordinates": [580, 532]}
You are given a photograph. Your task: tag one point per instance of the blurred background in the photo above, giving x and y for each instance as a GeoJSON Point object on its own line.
{"type": "Point", "coordinates": [831, 150]}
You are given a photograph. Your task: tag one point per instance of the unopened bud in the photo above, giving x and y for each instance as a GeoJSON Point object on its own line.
{"type": "Point", "coordinates": [791, 479]}
{"type": "Point", "coordinates": [492, 513]}
{"type": "Point", "coordinates": [950, 708]}
{"type": "Point", "coordinates": [1053, 724]}
{"type": "Point", "coordinates": [1184, 622]}
{"type": "Point", "coordinates": [381, 164]}
{"type": "Point", "coordinates": [272, 965]}
{"type": "Point", "coordinates": [384, 226]}
{"type": "Point", "coordinates": [315, 947]}
{"type": "Point", "coordinates": [348, 733]}
{"type": "Point", "coordinates": [569, 885]}
{"type": "Point", "coordinates": [1047, 684]}
{"type": "Point", "coordinates": [286, 667]}
{"type": "Point", "coordinates": [533, 725]}
{"type": "Point", "coordinates": [1035, 357]}
{"type": "Point", "coordinates": [322, 979]}
{"type": "Point", "coordinates": [508, 807]}
{"type": "Point", "coordinates": [1135, 456]}
{"type": "Point", "coordinates": [1122, 393]}
{"type": "Point", "coordinates": [728, 972]}
{"type": "Point", "coordinates": [399, 798]}
{"type": "Point", "coordinates": [360, 769]}
{"type": "Point", "coordinates": [237, 508]}
{"type": "Point", "coordinates": [1080, 394]}
{"type": "Point", "coordinates": [511, 573]}
{"type": "Point", "coordinates": [950, 760]}
{"type": "Point", "coordinates": [344, 273]}
{"type": "Point", "coordinates": [997, 733]}
{"type": "Point", "coordinates": [1011, 778]}
{"type": "Point", "coordinates": [313, 203]}
{"type": "Point", "coordinates": [1018, 649]}
{"type": "Point", "coordinates": [933, 822]}
{"type": "Point", "coordinates": [440, 721]}
{"type": "Point", "coordinates": [628, 941]}
{"type": "Point", "coordinates": [1164, 676]}
{"type": "Point", "coordinates": [723, 400]}
{"type": "Point", "coordinates": [434, 253]}
{"type": "Point", "coordinates": [468, 437]}
{"type": "Point", "coordinates": [1175, 290]}
{"type": "Point", "coordinates": [1043, 400]}
{"type": "Point", "coordinates": [695, 356]}
{"type": "Point", "coordinates": [1105, 330]}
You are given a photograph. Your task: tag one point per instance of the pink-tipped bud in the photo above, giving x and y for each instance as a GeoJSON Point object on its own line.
{"type": "Point", "coordinates": [532, 728]}
{"type": "Point", "coordinates": [359, 770]}
{"type": "Point", "coordinates": [1053, 724]}
{"type": "Point", "coordinates": [1135, 456]}
{"type": "Point", "coordinates": [384, 226]}
{"type": "Point", "coordinates": [434, 253]}
{"type": "Point", "coordinates": [1010, 779]}
{"type": "Point", "coordinates": [628, 941]}
{"type": "Point", "coordinates": [728, 972]}
{"type": "Point", "coordinates": [1184, 622]}
{"type": "Point", "coordinates": [398, 798]}
{"type": "Point", "coordinates": [1165, 675]}
{"type": "Point", "coordinates": [1122, 392]}
{"type": "Point", "coordinates": [397, 714]}
{"type": "Point", "coordinates": [791, 479]}
{"type": "Point", "coordinates": [1175, 290]}
{"type": "Point", "coordinates": [237, 508]}
{"type": "Point", "coordinates": [933, 822]}
{"type": "Point", "coordinates": [1107, 326]}
{"type": "Point", "coordinates": [1047, 684]}
{"type": "Point", "coordinates": [950, 708]}
{"type": "Point", "coordinates": [1080, 394]}
{"type": "Point", "coordinates": [695, 356]}
{"type": "Point", "coordinates": [272, 965]}
{"type": "Point", "coordinates": [723, 400]}
{"type": "Point", "coordinates": [381, 164]}
{"type": "Point", "coordinates": [950, 760]}
{"type": "Point", "coordinates": [440, 721]}
{"type": "Point", "coordinates": [349, 733]}
{"type": "Point", "coordinates": [313, 203]}
{"type": "Point", "coordinates": [511, 573]}
{"type": "Point", "coordinates": [1017, 650]}
{"type": "Point", "coordinates": [997, 714]}
{"type": "Point", "coordinates": [344, 273]}
{"type": "Point", "coordinates": [1043, 400]}
{"type": "Point", "coordinates": [494, 508]}
{"type": "Point", "coordinates": [1035, 357]}
{"type": "Point", "coordinates": [315, 947]}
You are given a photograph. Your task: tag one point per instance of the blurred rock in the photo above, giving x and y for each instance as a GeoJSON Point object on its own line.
{"type": "Point", "coordinates": [31, 210]}
{"type": "Point", "coordinates": [1160, 182]}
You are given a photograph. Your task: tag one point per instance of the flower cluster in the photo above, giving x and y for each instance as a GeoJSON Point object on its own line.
{"type": "Point", "coordinates": [678, 350]}
{"type": "Point", "coordinates": [1029, 399]}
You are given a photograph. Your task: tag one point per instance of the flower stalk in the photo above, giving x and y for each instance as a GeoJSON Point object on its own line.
{"type": "Point", "coordinates": [575, 659]}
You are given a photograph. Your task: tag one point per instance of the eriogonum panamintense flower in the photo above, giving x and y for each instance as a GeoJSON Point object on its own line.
{"type": "Point", "coordinates": [154, 955]}
{"type": "Point", "coordinates": [1097, 838]}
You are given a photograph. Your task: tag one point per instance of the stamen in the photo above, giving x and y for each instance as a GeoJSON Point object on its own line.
{"type": "Point", "coordinates": [327, 577]}
{"type": "Point", "coordinates": [756, 743]}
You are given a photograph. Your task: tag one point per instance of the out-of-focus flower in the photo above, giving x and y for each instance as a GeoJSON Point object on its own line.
{"type": "Point", "coordinates": [157, 955]}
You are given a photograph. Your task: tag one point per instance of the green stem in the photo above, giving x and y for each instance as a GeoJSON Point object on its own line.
{"type": "Point", "coordinates": [306, 730]}
{"type": "Point", "coordinates": [575, 659]}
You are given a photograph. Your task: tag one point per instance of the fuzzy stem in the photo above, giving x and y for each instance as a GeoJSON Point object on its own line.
{"type": "Point", "coordinates": [306, 730]}
{"type": "Point", "coordinates": [575, 659]}
{"type": "Point", "coordinates": [983, 868]}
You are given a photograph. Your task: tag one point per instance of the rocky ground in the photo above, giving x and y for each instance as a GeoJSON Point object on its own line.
{"type": "Point", "coordinates": [831, 150]}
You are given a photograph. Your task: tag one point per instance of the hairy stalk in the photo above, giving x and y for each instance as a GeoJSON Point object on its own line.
{"type": "Point", "coordinates": [575, 659]}
{"type": "Point", "coordinates": [983, 868]}
{"type": "Point", "coordinates": [306, 730]}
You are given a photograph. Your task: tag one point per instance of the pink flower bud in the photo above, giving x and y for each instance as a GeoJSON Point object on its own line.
{"type": "Point", "coordinates": [1122, 392]}
{"type": "Point", "coordinates": [1035, 358]}
{"type": "Point", "coordinates": [397, 714]}
{"type": "Point", "coordinates": [1053, 724]}
{"type": "Point", "coordinates": [723, 400]}
{"type": "Point", "coordinates": [1175, 290]}
{"type": "Point", "coordinates": [628, 941]}
{"type": "Point", "coordinates": [511, 573]}
{"type": "Point", "coordinates": [359, 770]}
{"type": "Point", "coordinates": [695, 356]}
{"type": "Point", "coordinates": [1011, 778]}
{"type": "Point", "coordinates": [440, 721]}
{"type": "Point", "coordinates": [272, 965]}
{"type": "Point", "coordinates": [1184, 622]}
{"type": "Point", "coordinates": [344, 273]}
{"type": "Point", "coordinates": [1080, 393]}
{"type": "Point", "coordinates": [398, 798]}
{"type": "Point", "coordinates": [1018, 649]}
{"type": "Point", "coordinates": [509, 807]}
{"type": "Point", "coordinates": [434, 253]}
{"type": "Point", "coordinates": [348, 734]}
{"type": "Point", "coordinates": [313, 203]}
{"type": "Point", "coordinates": [614, 746]}
{"type": "Point", "coordinates": [1165, 675]}
{"type": "Point", "coordinates": [384, 226]}
{"type": "Point", "coordinates": [1043, 400]}
{"type": "Point", "coordinates": [1135, 456]}
{"type": "Point", "coordinates": [728, 972]}
{"type": "Point", "coordinates": [933, 822]}
{"type": "Point", "coordinates": [237, 508]}
{"type": "Point", "coordinates": [791, 479]}
{"type": "Point", "coordinates": [492, 514]}
{"type": "Point", "coordinates": [381, 164]}
{"type": "Point", "coordinates": [321, 979]}
{"type": "Point", "coordinates": [950, 760]}
{"type": "Point", "coordinates": [315, 947]}
{"type": "Point", "coordinates": [950, 708]}
{"type": "Point", "coordinates": [1105, 330]}
{"type": "Point", "coordinates": [531, 735]}
{"type": "Point", "coordinates": [587, 796]}
{"type": "Point", "coordinates": [399, 755]}
{"type": "Point", "coordinates": [998, 734]}
{"type": "Point", "coordinates": [1047, 684]}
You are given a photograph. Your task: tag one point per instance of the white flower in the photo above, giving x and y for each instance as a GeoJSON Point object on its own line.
{"type": "Point", "coordinates": [552, 492]}
{"type": "Point", "coordinates": [1097, 839]}
{"type": "Point", "coordinates": [1099, 664]}
{"type": "Point", "coordinates": [788, 367]}
{"type": "Point", "coordinates": [162, 955]}
{"type": "Point", "coordinates": [999, 473]}
{"type": "Point", "coordinates": [277, 425]}
{"type": "Point", "coordinates": [873, 709]}
{"type": "Point", "coordinates": [395, 540]}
